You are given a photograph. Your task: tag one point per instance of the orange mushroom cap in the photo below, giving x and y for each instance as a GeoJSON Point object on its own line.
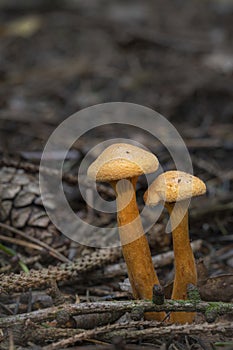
{"type": "Point", "coordinates": [174, 186]}
{"type": "Point", "coordinates": [122, 161]}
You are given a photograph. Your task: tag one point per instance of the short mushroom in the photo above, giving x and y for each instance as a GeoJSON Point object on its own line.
{"type": "Point", "coordinates": [176, 188]}
{"type": "Point", "coordinates": [120, 165]}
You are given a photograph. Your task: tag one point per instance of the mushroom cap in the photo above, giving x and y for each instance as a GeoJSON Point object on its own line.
{"type": "Point", "coordinates": [174, 186]}
{"type": "Point", "coordinates": [122, 161]}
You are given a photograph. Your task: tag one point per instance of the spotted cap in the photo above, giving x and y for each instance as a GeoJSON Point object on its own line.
{"type": "Point", "coordinates": [174, 186]}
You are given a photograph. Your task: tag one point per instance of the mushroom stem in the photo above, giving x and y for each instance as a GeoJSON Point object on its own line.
{"type": "Point", "coordinates": [135, 246]}
{"type": "Point", "coordinates": [185, 268]}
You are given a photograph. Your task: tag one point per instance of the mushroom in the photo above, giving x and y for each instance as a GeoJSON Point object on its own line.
{"type": "Point", "coordinates": [120, 165]}
{"type": "Point", "coordinates": [176, 188]}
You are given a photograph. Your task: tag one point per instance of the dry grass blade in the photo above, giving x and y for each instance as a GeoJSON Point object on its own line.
{"type": "Point", "coordinates": [51, 250]}
{"type": "Point", "coordinates": [20, 242]}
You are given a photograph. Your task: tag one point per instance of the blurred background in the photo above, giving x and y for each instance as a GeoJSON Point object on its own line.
{"type": "Point", "coordinates": [57, 57]}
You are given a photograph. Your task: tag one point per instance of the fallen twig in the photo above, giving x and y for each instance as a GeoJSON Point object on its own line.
{"type": "Point", "coordinates": [160, 260]}
{"type": "Point", "coordinates": [155, 332]}
{"type": "Point", "coordinates": [122, 330]}
{"type": "Point", "coordinates": [125, 306]}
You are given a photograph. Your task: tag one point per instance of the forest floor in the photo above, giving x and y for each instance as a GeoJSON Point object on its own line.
{"type": "Point", "coordinates": [174, 57]}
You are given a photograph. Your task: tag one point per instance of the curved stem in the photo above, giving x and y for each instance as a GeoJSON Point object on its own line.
{"type": "Point", "coordinates": [185, 267]}
{"type": "Point", "coordinates": [135, 246]}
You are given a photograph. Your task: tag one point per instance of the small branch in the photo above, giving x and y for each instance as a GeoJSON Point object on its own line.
{"type": "Point", "coordinates": [127, 331]}
{"type": "Point", "coordinates": [124, 306]}
{"type": "Point", "coordinates": [155, 332]}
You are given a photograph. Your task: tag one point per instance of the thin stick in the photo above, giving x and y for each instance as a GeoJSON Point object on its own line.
{"type": "Point", "coordinates": [160, 260]}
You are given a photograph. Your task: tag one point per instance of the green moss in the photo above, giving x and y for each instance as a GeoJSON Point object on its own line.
{"type": "Point", "coordinates": [180, 302]}
{"type": "Point", "coordinates": [219, 306]}
{"type": "Point", "coordinates": [193, 293]}
{"type": "Point", "coordinates": [214, 310]}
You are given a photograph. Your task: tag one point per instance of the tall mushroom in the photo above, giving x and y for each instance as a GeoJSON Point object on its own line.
{"type": "Point", "coordinates": [175, 188]}
{"type": "Point", "coordinates": [120, 165]}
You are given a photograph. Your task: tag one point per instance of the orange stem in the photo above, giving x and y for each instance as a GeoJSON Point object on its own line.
{"type": "Point", "coordinates": [185, 268]}
{"type": "Point", "coordinates": [135, 246]}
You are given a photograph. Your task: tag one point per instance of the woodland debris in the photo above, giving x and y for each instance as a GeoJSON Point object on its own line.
{"type": "Point", "coordinates": [160, 260]}
{"type": "Point", "coordinates": [119, 306]}
{"type": "Point", "coordinates": [35, 279]}
{"type": "Point", "coordinates": [132, 331]}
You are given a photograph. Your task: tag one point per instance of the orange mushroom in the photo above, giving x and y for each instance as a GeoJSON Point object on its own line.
{"type": "Point", "coordinates": [120, 165]}
{"type": "Point", "coordinates": [175, 188]}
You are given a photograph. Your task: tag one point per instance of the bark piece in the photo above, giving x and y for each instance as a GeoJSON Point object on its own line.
{"type": "Point", "coordinates": [19, 217]}
{"type": "Point", "coordinates": [23, 199]}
